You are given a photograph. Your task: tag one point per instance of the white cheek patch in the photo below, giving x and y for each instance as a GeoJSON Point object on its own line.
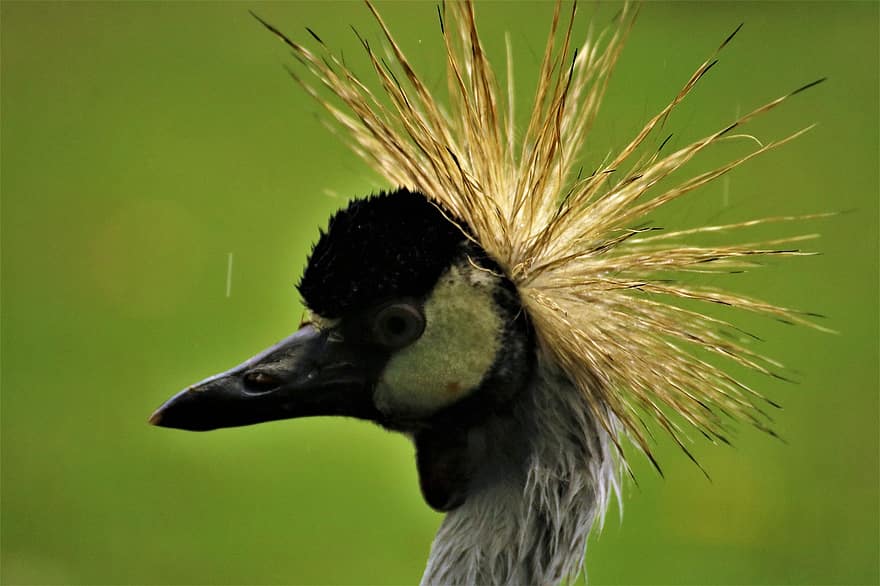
{"type": "Point", "coordinates": [459, 345]}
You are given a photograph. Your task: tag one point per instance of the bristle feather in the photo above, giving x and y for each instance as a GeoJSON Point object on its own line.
{"type": "Point", "coordinates": [586, 268]}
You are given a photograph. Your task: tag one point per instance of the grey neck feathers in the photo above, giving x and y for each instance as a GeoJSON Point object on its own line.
{"type": "Point", "coordinates": [530, 512]}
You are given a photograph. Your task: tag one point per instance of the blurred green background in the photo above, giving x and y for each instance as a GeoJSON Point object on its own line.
{"type": "Point", "coordinates": [142, 143]}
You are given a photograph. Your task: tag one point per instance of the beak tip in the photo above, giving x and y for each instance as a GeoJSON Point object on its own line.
{"type": "Point", "coordinates": [156, 418]}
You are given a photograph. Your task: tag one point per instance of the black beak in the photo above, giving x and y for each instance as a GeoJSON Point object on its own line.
{"type": "Point", "coordinates": [309, 373]}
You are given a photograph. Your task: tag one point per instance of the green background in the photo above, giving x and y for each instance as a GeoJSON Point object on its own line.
{"type": "Point", "coordinates": [144, 142]}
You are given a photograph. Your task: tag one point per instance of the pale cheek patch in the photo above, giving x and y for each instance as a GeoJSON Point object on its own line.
{"type": "Point", "coordinates": [461, 339]}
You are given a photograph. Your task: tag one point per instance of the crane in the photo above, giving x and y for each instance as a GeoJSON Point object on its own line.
{"type": "Point", "coordinates": [518, 320]}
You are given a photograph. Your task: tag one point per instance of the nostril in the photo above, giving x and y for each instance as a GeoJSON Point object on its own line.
{"type": "Point", "coordinates": [260, 381]}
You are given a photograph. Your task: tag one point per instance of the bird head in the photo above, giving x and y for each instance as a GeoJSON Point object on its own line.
{"type": "Point", "coordinates": [413, 326]}
{"type": "Point", "coordinates": [433, 306]}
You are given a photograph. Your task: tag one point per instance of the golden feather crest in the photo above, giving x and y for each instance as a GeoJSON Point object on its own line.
{"type": "Point", "coordinates": [586, 272]}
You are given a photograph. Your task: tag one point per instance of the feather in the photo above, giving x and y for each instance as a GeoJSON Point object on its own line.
{"type": "Point", "coordinates": [595, 284]}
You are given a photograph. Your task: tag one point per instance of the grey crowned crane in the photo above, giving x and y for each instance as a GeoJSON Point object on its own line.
{"type": "Point", "coordinates": [517, 320]}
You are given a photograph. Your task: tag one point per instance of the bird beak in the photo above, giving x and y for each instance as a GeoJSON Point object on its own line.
{"type": "Point", "coordinates": [309, 373]}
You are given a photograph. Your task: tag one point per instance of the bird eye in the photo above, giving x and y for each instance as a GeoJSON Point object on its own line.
{"type": "Point", "coordinates": [399, 324]}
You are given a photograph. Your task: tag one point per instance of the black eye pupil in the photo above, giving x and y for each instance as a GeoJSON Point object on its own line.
{"type": "Point", "coordinates": [399, 324]}
{"type": "Point", "coordinates": [396, 325]}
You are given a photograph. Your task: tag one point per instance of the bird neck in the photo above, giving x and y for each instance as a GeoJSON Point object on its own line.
{"type": "Point", "coordinates": [529, 513]}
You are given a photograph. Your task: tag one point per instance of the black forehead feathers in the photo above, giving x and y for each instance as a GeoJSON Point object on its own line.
{"type": "Point", "coordinates": [388, 245]}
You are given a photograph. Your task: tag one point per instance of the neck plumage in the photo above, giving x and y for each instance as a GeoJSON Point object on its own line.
{"type": "Point", "coordinates": [530, 512]}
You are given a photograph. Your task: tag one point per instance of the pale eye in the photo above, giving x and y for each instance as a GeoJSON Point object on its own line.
{"type": "Point", "coordinates": [399, 324]}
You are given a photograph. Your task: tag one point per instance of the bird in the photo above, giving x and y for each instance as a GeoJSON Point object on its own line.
{"type": "Point", "coordinates": [519, 319]}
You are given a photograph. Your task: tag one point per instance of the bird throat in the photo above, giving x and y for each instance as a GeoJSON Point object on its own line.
{"type": "Point", "coordinates": [539, 479]}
